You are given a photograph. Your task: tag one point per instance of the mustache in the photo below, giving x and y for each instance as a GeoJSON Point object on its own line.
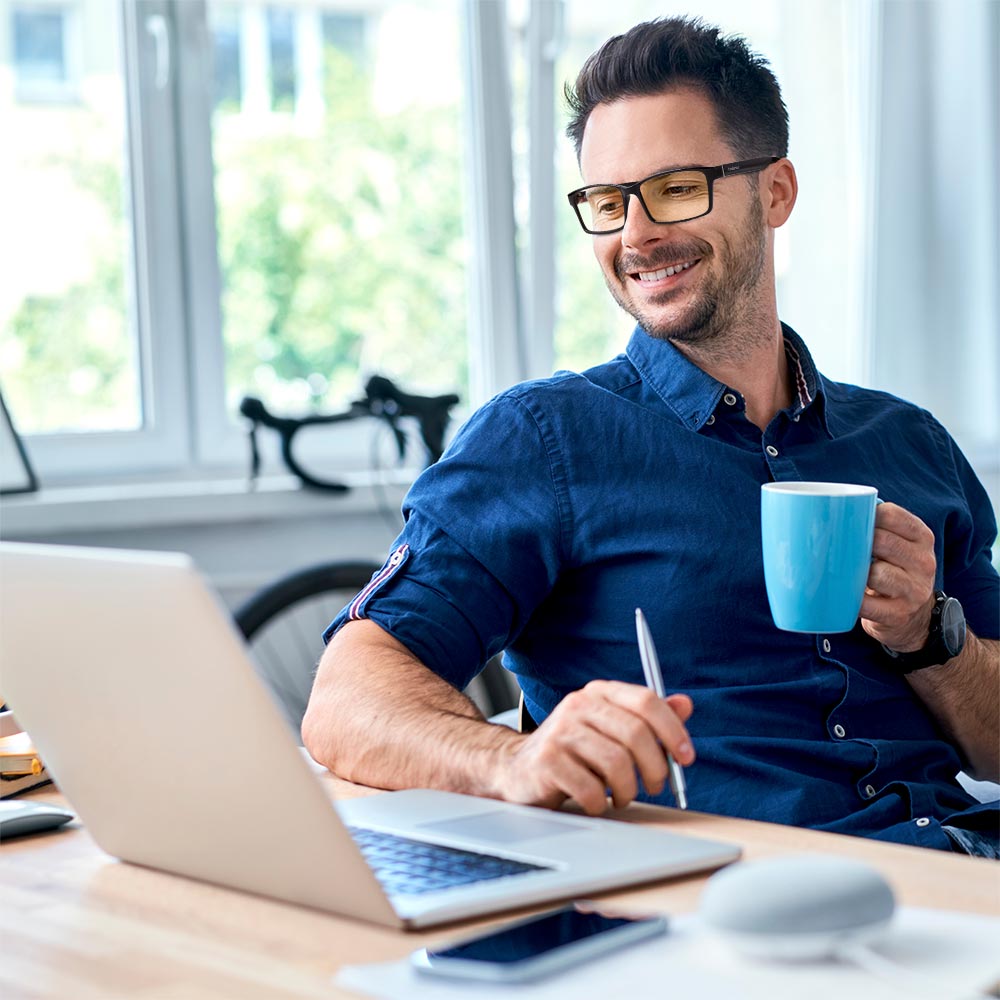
{"type": "Point", "coordinates": [663, 256]}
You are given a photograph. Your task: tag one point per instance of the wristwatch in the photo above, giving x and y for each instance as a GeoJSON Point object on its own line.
{"type": "Point", "coordinates": [945, 640]}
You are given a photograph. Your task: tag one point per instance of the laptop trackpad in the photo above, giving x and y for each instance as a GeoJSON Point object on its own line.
{"type": "Point", "coordinates": [501, 827]}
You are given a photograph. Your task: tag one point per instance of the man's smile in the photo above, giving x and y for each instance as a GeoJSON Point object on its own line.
{"type": "Point", "coordinates": [662, 268]}
{"type": "Point", "coordinates": [650, 277]}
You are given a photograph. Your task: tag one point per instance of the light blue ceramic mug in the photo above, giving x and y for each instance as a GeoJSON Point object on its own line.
{"type": "Point", "coordinates": [817, 540]}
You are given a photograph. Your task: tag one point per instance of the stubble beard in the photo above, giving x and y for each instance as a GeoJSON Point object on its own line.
{"type": "Point", "coordinates": [716, 319]}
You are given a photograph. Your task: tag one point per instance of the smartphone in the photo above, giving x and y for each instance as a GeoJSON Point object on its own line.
{"type": "Point", "coordinates": [538, 946]}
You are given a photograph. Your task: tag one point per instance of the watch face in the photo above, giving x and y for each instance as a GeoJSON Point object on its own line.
{"type": "Point", "coordinates": [953, 626]}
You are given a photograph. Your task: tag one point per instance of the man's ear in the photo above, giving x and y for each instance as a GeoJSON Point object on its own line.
{"type": "Point", "coordinates": [780, 189]}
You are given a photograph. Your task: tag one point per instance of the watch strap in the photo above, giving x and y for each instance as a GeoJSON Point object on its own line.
{"type": "Point", "coordinates": [935, 651]}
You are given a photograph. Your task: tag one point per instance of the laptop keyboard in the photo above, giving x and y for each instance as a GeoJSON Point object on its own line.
{"type": "Point", "coordinates": [408, 867]}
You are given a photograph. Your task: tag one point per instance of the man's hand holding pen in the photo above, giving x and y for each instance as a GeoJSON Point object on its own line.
{"type": "Point", "coordinates": [607, 736]}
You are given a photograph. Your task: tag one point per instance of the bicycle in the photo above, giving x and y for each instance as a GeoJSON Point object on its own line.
{"type": "Point", "coordinates": [383, 400]}
{"type": "Point", "coordinates": [289, 614]}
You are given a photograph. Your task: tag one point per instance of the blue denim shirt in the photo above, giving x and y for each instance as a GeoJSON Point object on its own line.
{"type": "Point", "coordinates": [565, 503]}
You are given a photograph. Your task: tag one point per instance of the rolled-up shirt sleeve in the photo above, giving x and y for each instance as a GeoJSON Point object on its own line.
{"type": "Point", "coordinates": [481, 547]}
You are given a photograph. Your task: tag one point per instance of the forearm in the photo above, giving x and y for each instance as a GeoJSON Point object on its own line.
{"type": "Point", "coordinates": [379, 717]}
{"type": "Point", "coordinates": [964, 695]}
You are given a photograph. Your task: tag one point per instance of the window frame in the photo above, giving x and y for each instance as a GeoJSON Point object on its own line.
{"type": "Point", "coordinates": [155, 306]}
{"type": "Point", "coordinates": [175, 314]}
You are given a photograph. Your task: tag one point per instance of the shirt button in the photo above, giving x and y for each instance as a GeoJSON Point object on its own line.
{"type": "Point", "coordinates": [839, 731]}
{"type": "Point", "coordinates": [826, 646]}
{"type": "Point", "coordinates": [869, 791]}
{"type": "Point", "coordinates": [771, 450]}
{"type": "Point", "coordinates": [729, 399]}
{"type": "Point", "coordinates": [923, 821]}
{"type": "Point", "coordinates": [710, 421]}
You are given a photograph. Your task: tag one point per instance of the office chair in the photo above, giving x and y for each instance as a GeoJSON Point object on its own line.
{"type": "Point", "coordinates": [518, 717]}
{"type": "Point", "coordinates": [283, 624]}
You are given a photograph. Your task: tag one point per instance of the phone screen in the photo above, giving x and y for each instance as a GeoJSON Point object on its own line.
{"type": "Point", "coordinates": [533, 937]}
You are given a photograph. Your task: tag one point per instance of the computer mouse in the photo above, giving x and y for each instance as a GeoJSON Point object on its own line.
{"type": "Point", "coordinates": [19, 818]}
{"type": "Point", "coordinates": [801, 906]}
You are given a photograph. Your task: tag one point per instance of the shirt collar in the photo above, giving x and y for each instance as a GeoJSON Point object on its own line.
{"type": "Point", "coordinates": [809, 392]}
{"type": "Point", "coordinates": [693, 394]}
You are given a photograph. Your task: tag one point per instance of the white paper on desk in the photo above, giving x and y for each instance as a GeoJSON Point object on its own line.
{"type": "Point", "coordinates": [944, 954]}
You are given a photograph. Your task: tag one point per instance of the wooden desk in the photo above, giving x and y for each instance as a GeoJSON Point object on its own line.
{"type": "Point", "coordinates": [76, 924]}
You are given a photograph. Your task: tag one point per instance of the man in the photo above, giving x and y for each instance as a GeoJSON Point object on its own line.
{"type": "Point", "coordinates": [566, 503]}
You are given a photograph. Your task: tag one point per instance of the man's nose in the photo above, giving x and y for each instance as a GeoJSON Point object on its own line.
{"type": "Point", "coordinates": [639, 229]}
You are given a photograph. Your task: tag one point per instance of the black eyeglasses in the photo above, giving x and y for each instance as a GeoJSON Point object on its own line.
{"type": "Point", "coordinates": [672, 196]}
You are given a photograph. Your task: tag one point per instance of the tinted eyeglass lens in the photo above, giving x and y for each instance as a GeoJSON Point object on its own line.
{"type": "Point", "coordinates": [676, 196]}
{"type": "Point", "coordinates": [671, 197]}
{"type": "Point", "coordinates": [602, 208]}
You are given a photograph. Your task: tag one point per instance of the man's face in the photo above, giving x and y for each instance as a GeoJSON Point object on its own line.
{"type": "Point", "coordinates": [718, 261]}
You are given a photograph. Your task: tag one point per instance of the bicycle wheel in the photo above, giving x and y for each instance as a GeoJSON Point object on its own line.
{"type": "Point", "coordinates": [283, 624]}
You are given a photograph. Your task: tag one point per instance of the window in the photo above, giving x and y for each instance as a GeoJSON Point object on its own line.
{"type": "Point", "coordinates": [40, 45]}
{"type": "Point", "coordinates": [227, 61]}
{"type": "Point", "coordinates": [92, 308]}
{"type": "Point", "coordinates": [281, 49]}
{"type": "Point", "coordinates": [43, 50]}
{"type": "Point", "coordinates": [324, 239]}
{"type": "Point", "coordinates": [345, 33]}
{"type": "Point", "coordinates": [341, 236]}
{"type": "Point", "coordinates": [69, 356]}
{"type": "Point", "coordinates": [206, 200]}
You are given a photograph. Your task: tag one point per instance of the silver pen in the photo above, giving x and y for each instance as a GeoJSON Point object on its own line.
{"type": "Point", "coordinates": [654, 681]}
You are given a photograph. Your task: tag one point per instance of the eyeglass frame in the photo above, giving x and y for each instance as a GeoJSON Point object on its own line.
{"type": "Point", "coordinates": [712, 174]}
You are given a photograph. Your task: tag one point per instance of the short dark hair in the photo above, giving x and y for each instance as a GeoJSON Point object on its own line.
{"type": "Point", "coordinates": [660, 55]}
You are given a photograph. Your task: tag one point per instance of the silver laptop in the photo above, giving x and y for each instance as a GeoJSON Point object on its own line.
{"type": "Point", "coordinates": [138, 691]}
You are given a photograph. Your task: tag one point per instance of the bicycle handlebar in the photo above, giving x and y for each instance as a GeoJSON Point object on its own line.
{"type": "Point", "coordinates": [383, 399]}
